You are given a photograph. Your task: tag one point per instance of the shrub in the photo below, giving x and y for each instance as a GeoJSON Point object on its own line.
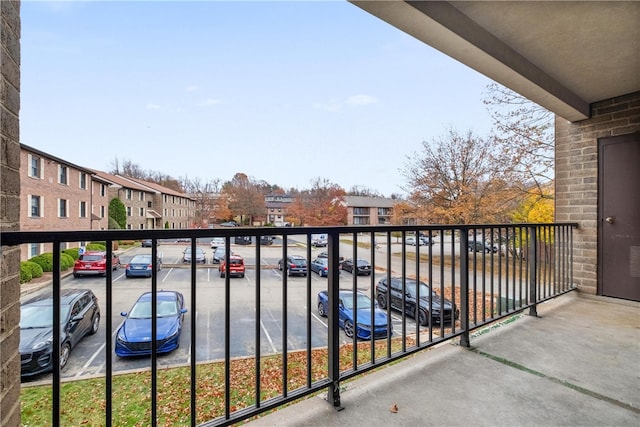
{"type": "Point", "coordinates": [97, 246]}
{"type": "Point", "coordinates": [45, 261]}
{"type": "Point", "coordinates": [34, 269]}
{"type": "Point", "coordinates": [73, 252]}
{"type": "Point", "coordinates": [66, 261]}
{"type": "Point", "coordinates": [25, 273]}
{"type": "Point", "coordinates": [126, 243]}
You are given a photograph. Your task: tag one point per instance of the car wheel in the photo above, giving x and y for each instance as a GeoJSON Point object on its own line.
{"type": "Point", "coordinates": [242, 276]}
{"type": "Point", "coordinates": [95, 324]}
{"type": "Point", "coordinates": [222, 274]}
{"type": "Point", "coordinates": [422, 317]}
{"type": "Point", "coordinates": [348, 328]}
{"type": "Point", "coordinates": [321, 311]}
{"type": "Point", "coordinates": [65, 350]}
{"type": "Point", "coordinates": [76, 275]}
{"type": "Point", "coordinates": [382, 301]}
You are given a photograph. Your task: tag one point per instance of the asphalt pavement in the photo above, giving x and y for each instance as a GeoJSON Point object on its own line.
{"type": "Point", "coordinates": [576, 364]}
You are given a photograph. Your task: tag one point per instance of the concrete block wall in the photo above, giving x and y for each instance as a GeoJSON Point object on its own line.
{"type": "Point", "coordinates": [9, 212]}
{"type": "Point", "coordinates": [577, 176]}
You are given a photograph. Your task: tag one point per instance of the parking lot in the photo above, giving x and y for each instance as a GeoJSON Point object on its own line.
{"type": "Point", "coordinates": [88, 357]}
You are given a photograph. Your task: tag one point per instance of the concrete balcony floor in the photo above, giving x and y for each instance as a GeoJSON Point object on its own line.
{"type": "Point", "coordinates": [576, 364]}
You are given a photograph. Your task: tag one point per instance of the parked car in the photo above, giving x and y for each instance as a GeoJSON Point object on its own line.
{"type": "Point", "coordinates": [320, 266]}
{"type": "Point", "coordinates": [199, 256]}
{"type": "Point", "coordinates": [479, 246]}
{"type": "Point", "coordinates": [266, 240]}
{"type": "Point", "coordinates": [133, 336]}
{"type": "Point", "coordinates": [93, 263]}
{"type": "Point", "coordinates": [325, 254]}
{"type": "Point", "coordinates": [356, 319]}
{"type": "Point", "coordinates": [242, 240]}
{"type": "Point", "coordinates": [218, 255]}
{"type": "Point", "coordinates": [448, 310]}
{"type": "Point", "coordinates": [79, 316]}
{"type": "Point", "coordinates": [146, 243]}
{"type": "Point", "coordinates": [229, 224]}
{"type": "Point", "coordinates": [295, 264]}
{"type": "Point", "coordinates": [236, 266]}
{"type": "Point", "coordinates": [412, 241]}
{"type": "Point", "coordinates": [217, 242]}
{"type": "Point", "coordinates": [319, 240]}
{"type": "Point", "coordinates": [141, 265]}
{"type": "Point", "coordinates": [362, 266]}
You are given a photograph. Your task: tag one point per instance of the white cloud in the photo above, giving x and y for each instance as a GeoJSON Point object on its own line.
{"type": "Point", "coordinates": [358, 100]}
{"type": "Point", "coordinates": [209, 101]}
{"type": "Point", "coordinates": [192, 88]}
{"type": "Point", "coordinates": [151, 106]}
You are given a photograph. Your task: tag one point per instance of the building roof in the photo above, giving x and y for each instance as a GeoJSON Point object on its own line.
{"type": "Point", "coordinates": [369, 202]}
{"type": "Point", "coordinates": [120, 181]}
{"type": "Point", "coordinates": [57, 159]}
{"type": "Point", "coordinates": [161, 189]}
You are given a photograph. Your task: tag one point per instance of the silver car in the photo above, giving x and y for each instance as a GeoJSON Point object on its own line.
{"type": "Point", "coordinates": [199, 256]}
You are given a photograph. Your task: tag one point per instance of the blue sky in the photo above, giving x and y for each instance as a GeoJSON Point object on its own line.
{"type": "Point", "coordinates": [285, 92]}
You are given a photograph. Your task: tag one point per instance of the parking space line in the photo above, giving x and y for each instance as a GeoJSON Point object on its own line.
{"type": "Point", "coordinates": [97, 352]}
{"type": "Point", "coordinates": [273, 347]}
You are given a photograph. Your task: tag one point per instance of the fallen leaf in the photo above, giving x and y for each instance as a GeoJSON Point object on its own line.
{"type": "Point", "coordinates": [394, 408]}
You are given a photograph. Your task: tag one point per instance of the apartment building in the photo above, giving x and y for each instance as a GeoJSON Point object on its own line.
{"type": "Point", "coordinates": [363, 210]}
{"type": "Point", "coordinates": [277, 206]}
{"type": "Point", "coordinates": [169, 208]}
{"type": "Point", "coordinates": [56, 195]}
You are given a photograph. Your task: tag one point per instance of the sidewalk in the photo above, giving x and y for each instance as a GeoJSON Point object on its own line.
{"type": "Point", "coordinates": [577, 364]}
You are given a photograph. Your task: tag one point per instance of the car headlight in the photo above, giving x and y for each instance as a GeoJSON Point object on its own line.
{"type": "Point", "coordinates": [44, 343]}
{"type": "Point", "coordinates": [363, 326]}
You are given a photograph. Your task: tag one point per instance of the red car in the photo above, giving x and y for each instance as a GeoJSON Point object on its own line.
{"type": "Point", "coordinates": [236, 266]}
{"type": "Point", "coordinates": [93, 263]}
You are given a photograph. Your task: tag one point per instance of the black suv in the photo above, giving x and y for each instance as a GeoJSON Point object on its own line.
{"type": "Point", "coordinates": [446, 312]}
{"type": "Point", "coordinates": [295, 264]}
{"type": "Point", "coordinates": [79, 316]}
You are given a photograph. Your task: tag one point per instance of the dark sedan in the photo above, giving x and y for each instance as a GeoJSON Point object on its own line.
{"type": "Point", "coordinates": [79, 316]}
{"type": "Point", "coordinates": [362, 266]}
{"type": "Point", "coordinates": [441, 308]}
{"type": "Point", "coordinates": [134, 336]}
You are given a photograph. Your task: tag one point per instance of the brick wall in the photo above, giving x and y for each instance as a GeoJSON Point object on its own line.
{"type": "Point", "coordinates": [577, 176]}
{"type": "Point", "coordinates": [9, 212]}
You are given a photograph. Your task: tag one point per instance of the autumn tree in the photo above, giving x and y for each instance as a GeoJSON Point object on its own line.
{"type": "Point", "coordinates": [205, 195]}
{"type": "Point", "coordinates": [322, 205]}
{"type": "Point", "coordinates": [524, 131]}
{"type": "Point", "coordinates": [460, 179]}
{"type": "Point", "coordinates": [245, 197]}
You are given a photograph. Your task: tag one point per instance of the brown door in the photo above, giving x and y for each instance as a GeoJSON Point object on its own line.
{"type": "Point", "coordinates": [619, 216]}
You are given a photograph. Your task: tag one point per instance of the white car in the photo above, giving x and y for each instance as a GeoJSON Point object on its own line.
{"type": "Point", "coordinates": [217, 242]}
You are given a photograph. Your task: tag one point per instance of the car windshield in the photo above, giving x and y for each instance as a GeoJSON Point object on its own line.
{"type": "Point", "coordinates": [142, 309]}
{"type": "Point", "coordinates": [141, 259]}
{"type": "Point", "coordinates": [424, 290]}
{"type": "Point", "coordinates": [363, 301]}
{"type": "Point", "coordinates": [91, 257]}
{"type": "Point", "coordinates": [40, 316]}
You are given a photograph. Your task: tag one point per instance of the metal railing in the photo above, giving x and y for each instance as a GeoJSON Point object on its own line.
{"type": "Point", "coordinates": [476, 275]}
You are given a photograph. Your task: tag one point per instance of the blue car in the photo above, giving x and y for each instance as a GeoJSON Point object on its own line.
{"type": "Point", "coordinates": [361, 326]}
{"type": "Point", "coordinates": [141, 266]}
{"type": "Point", "coordinates": [134, 336]}
{"type": "Point", "coordinates": [320, 266]}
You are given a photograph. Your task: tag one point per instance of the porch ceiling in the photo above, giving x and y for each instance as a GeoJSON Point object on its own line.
{"type": "Point", "coordinates": [561, 55]}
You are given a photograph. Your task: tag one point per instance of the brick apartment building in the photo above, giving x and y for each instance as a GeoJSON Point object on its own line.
{"type": "Point", "coordinates": [363, 210]}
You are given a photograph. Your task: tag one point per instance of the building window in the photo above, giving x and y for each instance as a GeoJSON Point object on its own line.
{"type": "Point", "coordinates": [141, 211]}
{"type": "Point", "coordinates": [128, 226]}
{"type": "Point", "coordinates": [149, 205]}
{"type": "Point", "coordinates": [34, 250]}
{"type": "Point", "coordinates": [141, 226]}
{"type": "Point", "coordinates": [102, 211]}
{"type": "Point", "coordinates": [83, 209]}
{"type": "Point", "coordinates": [35, 167]}
{"type": "Point", "coordinates": [62, 208]}
{"type": "Point", "coordinates": [127, 193]}
{"type": "Point", "coordinates": [141, 196]}
{"type": "Point", "coordinates": [83, 180]}
{"type": "Point", "coordinates": [103, 190]}
{"type": "Point", "coordinates": [36, 206]}
{"type": "Point", "coordinates": [62, 175]}
{"type": "Point", "coordinates": [128, 210]}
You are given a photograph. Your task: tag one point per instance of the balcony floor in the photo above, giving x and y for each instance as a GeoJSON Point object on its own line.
{"type": "Point", "coordinates": [577, 364]}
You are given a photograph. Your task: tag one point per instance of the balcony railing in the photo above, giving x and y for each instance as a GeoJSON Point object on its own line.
{"type": "Point", "coordinates": [476, 275]}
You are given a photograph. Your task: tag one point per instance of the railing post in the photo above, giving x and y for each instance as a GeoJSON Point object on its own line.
{"type": "Point", "coordinates": [532, 259]}
{"type": "Point", "coordinates": [333, 283]}
{"type": "Point", "coordinates": [464, 288]}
